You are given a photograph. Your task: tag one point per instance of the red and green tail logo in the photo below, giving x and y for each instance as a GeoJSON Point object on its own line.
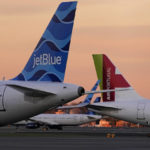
{"type": "Point", "coordinates": [109, 76]}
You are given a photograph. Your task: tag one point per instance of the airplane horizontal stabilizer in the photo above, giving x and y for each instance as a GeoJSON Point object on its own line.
{"type": "Point", "coordinates": [93, 116]}
{"type": "Point", "coordinates": [73, 106]}
{"type": "Point", "coordinates": [102, 108]}
{"type": "Point", "coordinates": [105, 91]}
{"type": "Point", "coordinates": [43, 121]}
{"type": "Point", "coordinates": [30, 90]}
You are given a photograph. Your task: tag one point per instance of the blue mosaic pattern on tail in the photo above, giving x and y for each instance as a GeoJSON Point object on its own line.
{"type": "Point", "coordinates": [48, 61]}
{"type": "Point", "coordinates": [97, 100]}
{"type": "Point", "coordinates": [90, 96]}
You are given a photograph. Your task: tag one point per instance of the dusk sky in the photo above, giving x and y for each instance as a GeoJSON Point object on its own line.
{"type": "Point", "coordinates": [117, 28]}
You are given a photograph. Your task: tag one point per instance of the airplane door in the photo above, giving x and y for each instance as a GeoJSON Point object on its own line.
{"type": "Point", "coordinates": [140, 111]}
{"type": "Point", "coordinates": [2, 89]}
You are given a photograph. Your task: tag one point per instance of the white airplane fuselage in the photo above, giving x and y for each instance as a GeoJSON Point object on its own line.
{"type": "Point", "coordinates": [135, 111]}
{"type": "Point", "coordinates": [17, 104]}
{"type": "Point", "coordinates": [65, 119]}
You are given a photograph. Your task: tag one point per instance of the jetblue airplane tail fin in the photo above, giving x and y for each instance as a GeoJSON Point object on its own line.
{"type": "Point", "coordinates": [111, 78]}
{"type": "Point", "coordinates": [48, 61]}
{"type": "Point", "coordinates": [90, 96]}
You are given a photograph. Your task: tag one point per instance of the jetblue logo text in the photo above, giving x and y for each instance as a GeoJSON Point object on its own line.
{"type": "Point", "coordinates": [46, 59]}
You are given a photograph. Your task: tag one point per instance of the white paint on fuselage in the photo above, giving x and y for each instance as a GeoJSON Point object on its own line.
{"type": "Point", "coordinates": [18, 106]}
{"type": "Point", "coordinates": [65, 119]}
{"type": "Point", "coordinates": [135, 111]}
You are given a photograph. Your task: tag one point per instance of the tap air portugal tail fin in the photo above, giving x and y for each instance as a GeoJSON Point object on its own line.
{"type": "Point", "coordinates": [112, 79]}
{"type": "Point", "coordinates": [49, 58]}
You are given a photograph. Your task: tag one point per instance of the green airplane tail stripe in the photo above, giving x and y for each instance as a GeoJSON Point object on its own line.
{"type": "Point", "coordinates": [98, 61]}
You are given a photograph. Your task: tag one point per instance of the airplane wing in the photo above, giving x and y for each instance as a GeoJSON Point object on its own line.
{"type": "Point", "coordinates": [92, 105]}
{"type": "Point", "coordinates": [73, 106]}
{"type": "Point", "coordinates": [94, 117]}
{"type": "Point", "coordinates": [102, 107]}
{"type": "Point", "coordinates": [30, 90]}
{"type": "Point", "coordinates": [105, 91]}
{"type": "Point", "coordinates": [43, 121]}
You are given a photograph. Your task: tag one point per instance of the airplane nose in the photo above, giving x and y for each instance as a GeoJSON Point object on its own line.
{"type": "Point", "coordinates": [81, 91]}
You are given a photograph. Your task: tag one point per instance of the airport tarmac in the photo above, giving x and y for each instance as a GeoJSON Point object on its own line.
{"type": "Point", "coordinates": [75, 138]}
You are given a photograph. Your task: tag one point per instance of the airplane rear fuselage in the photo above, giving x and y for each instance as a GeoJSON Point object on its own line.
{"type": "Point", "coordinates": [16, 105]}
{"type": "Point", "coordinates": [135, 111]}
